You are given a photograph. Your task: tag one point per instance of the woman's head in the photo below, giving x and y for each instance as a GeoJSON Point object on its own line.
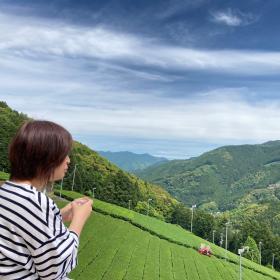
{"type": "Point", "coordinates": [39, 150]}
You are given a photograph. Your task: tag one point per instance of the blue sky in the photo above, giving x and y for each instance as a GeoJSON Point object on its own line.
{"type": "Point", "coordinates": [170, 78]}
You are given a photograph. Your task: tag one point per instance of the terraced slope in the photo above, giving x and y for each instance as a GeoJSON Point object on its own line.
{"type": "Point", "coordinates": [121, 244]}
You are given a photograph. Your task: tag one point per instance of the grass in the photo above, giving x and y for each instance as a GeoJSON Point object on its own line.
{"type": "Point", "coordinates": [4, 176]}
{"type": "Point", "coordinates": [121, 244]}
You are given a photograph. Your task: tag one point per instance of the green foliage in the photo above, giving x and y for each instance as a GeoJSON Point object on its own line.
{"type": "Point", "coordinates": [4, 176]}
{"type": "Point", "coordinates": [182, 216]}
{"type": "Point", "coordinates": [117, 249]}
{"type": "Point", "coordinates": [112, 184]}
{"type": "Point", "coordinates": [223, 176]}
{"type": "Point", "coordinates": [9, 122]}
{"type": "Point", "coordinates": [253, 254]}
{"type": "Point", "coordinates": [210, 207]}
{"type": "Point", "coordinates": [203, 224]}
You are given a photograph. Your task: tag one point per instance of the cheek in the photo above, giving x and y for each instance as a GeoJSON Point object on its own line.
{"type": "Point", "coordinates": [59, 172]}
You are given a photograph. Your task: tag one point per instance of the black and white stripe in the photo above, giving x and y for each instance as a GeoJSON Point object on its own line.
{"type": "Point", "coordinates": [34, 243]}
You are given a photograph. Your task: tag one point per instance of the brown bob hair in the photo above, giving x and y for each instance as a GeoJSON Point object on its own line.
{"type": "Point", "coordinates": [37, 149]}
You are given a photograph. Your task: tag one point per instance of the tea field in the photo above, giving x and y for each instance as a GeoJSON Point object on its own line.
{"type": "Point", "coordinates": [117, 243]}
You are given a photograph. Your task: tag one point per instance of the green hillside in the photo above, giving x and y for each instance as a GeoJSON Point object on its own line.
{"type": "Point", "coordinates": [240, 182]}
{"type": "Point", "coordinates": [121, 244]}
{"type": "Point", "coordinates": [10, 120]}
{"type": "Point", "coordinates": [221, 177]}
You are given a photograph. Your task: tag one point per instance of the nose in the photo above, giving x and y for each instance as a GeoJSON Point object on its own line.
{"type": "Point", "coordinates": [68, 160]}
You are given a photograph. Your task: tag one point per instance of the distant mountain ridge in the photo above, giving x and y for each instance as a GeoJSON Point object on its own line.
{"type": "Point", "coordinates": [131, 161]}
{"type": "Point", "coordinates": [221, 178]}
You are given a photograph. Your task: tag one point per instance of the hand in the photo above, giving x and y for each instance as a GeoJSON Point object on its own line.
{"type": "Point", "coordinates": [67, 213]}
{"type": "Point", "coordinates": [82, 208]}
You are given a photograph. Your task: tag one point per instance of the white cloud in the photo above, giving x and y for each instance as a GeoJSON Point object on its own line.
{"type": "Point", "coordinates": [233, 18]}
{"type": "Point", "coordinates": [227, 18]}
{"type": "Point", "coordinates": [140, 115]}
{"type": "Point", "coordinates": [33, 40]}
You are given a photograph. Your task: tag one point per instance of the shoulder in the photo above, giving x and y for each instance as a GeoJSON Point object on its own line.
{"type": "Point", "coordinates": [26, 197]}
{"type": "Point", "coordinates": [47, 203]}
{"type": "Point", "coordinates": [21, 195]}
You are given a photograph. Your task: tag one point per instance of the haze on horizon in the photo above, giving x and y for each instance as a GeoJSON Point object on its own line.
{"type": "Point", "coordinates": [168, 78]}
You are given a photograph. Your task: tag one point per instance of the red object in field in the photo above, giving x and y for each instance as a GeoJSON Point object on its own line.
{"type": "Point", "coordinates": [205, 251]}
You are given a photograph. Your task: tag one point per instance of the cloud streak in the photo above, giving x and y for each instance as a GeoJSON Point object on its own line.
{"type": "Point", "coordinates": [233, 18]}
{"type": "Point", "coordinates": [208, 116]}
{"type": "Point", "coordinates": [98, 44]}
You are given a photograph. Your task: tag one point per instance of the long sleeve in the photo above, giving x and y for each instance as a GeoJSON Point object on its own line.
{"type": "Point", "coordinates": [34, 243]}
{"type": "Point", "coordinates": [57, 254]}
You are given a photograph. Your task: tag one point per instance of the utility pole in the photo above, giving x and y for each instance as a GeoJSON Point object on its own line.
{"type": "Point", "coordinates": [129, 204]}
{"type": "Point", "coordinates": [221, 239]}
{"type": "Point", "coordinates": [227, 225]}
{"type": "Point", "coordinates": [93, 196]}
{"type": "Point", "coordinates": [226, 244]}
{"type": "Point", "coordinates": [273, 261]}
{"type": "Point", "coordinates": [148, 206]}
{"type": "Point", "coordinates": [214, 236]}
{"type": "Point", "coordinates": [192, 208]}
{"type": "Point", "coordinates": [74, 176]}
{"type": "Point", "coordinates": [240, 252]}
{"type": "Point", "coordinates": [260, 248]}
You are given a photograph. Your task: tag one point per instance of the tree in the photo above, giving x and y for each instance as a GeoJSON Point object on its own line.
{"type": "Point", "coordinates": [203, 224]}
{"type": "Point", "coordinates": [253, 254]}
{"type": "Point", "coordinates": [181, 216]}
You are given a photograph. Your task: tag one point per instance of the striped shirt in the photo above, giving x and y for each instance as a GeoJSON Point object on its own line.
{"type": "Point", "coordinates": [34, 243]}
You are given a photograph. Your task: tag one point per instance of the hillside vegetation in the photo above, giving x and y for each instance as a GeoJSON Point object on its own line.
{"type": "Point", "coordinates": [219, 179]}
{"type": "Point", "coordinates": [121, 244]}
{"type": "Point", "coordinates": [242, 182]}
{"type": "Point", "coordinates": [10, 120]}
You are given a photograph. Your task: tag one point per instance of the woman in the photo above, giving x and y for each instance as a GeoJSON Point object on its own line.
{"type": "Point", "coordinates": [34, 243]}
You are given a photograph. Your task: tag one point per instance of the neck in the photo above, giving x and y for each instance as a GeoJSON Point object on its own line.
{"type": "Point", "coordinates": [38, 184]}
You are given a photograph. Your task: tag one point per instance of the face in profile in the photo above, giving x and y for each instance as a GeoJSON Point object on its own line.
{"type": "Point", "coordinates": [61, 170]}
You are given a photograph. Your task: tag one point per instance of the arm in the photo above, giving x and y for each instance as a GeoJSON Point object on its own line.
{"type": "Point", "coordinates": [57, 254]}
{"type": "Point", "coordinates": [81, 212]}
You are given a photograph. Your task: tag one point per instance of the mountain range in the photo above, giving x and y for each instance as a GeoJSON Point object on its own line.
{"type": "Point", "coordinates": [131, 161]}
{"type": "Point", "coordinates": [223, 178]}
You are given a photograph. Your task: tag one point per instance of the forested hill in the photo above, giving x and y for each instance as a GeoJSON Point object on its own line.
{"type": "Point", "coordinates": [93, 171]}
{"type": "Point", "coordinates": [9, 122]}
{"type": "Point", "coordinates": [130, 161]}
{"type": "Point", "coordinates": [219, 179]}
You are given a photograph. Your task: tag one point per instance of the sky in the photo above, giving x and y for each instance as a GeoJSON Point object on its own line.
{"type": "Point", "coordinates": [170, 78]}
